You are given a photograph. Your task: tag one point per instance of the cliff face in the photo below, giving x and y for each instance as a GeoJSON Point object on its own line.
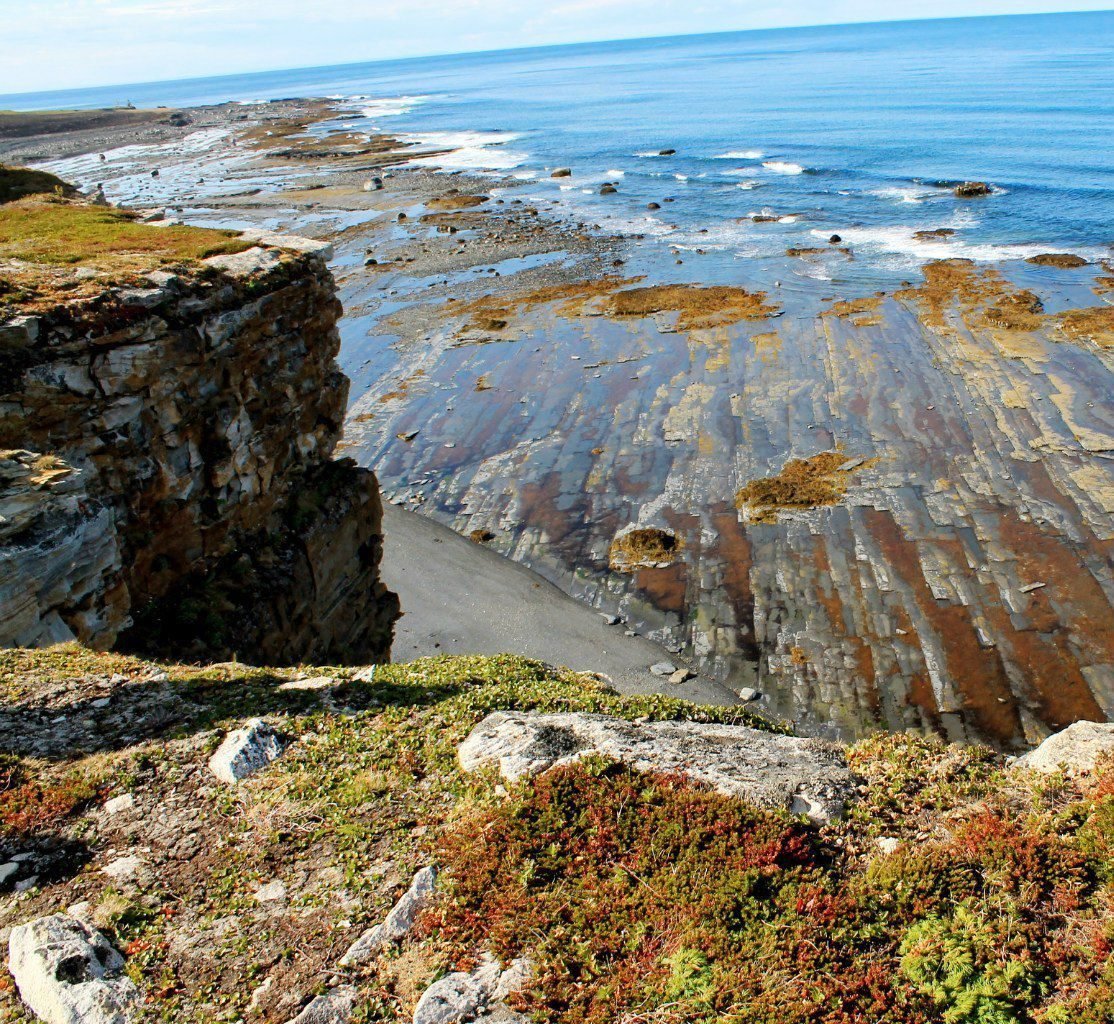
{"type": "Point", "coordinates": [168, 480]}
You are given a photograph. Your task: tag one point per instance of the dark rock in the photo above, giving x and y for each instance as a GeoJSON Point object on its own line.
{"type": "Point", "coordinates": [970, 189]}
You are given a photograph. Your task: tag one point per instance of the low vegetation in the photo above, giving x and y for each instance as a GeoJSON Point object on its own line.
{"type": "Point", "coordinates": [953, 891]}
{"type": "Point", "coordinates": [19, 182]}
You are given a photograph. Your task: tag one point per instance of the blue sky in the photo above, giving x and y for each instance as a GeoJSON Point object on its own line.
{"type": "Point", "coordinates": [55, 44]}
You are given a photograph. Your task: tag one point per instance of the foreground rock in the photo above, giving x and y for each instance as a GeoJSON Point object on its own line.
{"type": "Point", "coordinates": [470, 996]}
{"type": "Point", "coordinates": [802, 775]}
{"type": "Point", "coordinates": [1075, 749]}
{"type": "Point", "coordinates": [69, 973]}
{"type": "Point", "coordinates": [246, 751]}
{"type": "Point", "coordinates": [397, 923]}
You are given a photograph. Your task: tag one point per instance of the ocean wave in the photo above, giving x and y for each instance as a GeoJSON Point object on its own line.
{"type": "Point", "coordinates": [740, 154]}
{"type": "Point", "coordinates": [467, 151]}
{"type": "Point", "coordinates": [748, 185]}
{"type": "Point", "coordinates": [906, 193]}
{"type": "Point", "coordinates": [391, 106]}
{"type": "Point", "coordinates": [900, 241]}
{"type": "Point", "coordinates": [783, 167]}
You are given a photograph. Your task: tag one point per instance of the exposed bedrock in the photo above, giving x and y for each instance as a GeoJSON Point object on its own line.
{"type": "Point", "coordinates": [168, 463]}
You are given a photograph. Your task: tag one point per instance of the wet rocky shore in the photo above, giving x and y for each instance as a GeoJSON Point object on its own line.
{"type": "Point", "coordinates": [945, 567]}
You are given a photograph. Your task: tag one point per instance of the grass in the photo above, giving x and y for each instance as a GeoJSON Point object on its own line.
{"type": "Point", "coordinates": [639, 897]}
{"type": "Point", "coordinates": [54, 231]}
{"type": "Point", "coordinates": [18, 182]}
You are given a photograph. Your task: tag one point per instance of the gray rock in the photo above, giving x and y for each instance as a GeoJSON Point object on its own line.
{"type": "Point", "coordinates": [682, 675]}
{"type": "Point", "coordinates": [806, 776]}
{"type": "Point", "coordinates": [460, 996]}
{"type": "Point", "coordinates": [663, 668]}
{"type": "Point", "coordinates": [747, 694]}
{"type": "Point", "coordinates": [246, 264]}
{"type": "Point", "coordinates": [119, 804]}
{"type": "Point", "coordinates": [69, 973]}
{"type": "Point", "coordinates": [334, 1007]}
{"type": "Point", "coordinates": [8, 871]}
{"type": "Point", "coordinates": [245, 751]}
{"type": "Point", "coordinates": [1075, 749]}
{"type": "Point", "coordinates": [295, 243]}
{"type": "Point", "coordinates": [397, 923]}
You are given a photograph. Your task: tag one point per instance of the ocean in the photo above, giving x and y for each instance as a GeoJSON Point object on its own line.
{"type": "Point", "coordinates": [854, 130]}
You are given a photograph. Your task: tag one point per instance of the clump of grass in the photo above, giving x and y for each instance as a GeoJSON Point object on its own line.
{"type": "Point", "coordinates": [65, 233]}
{"type": "Point", "coordinates": [802, 483]}
{"type": "Point", "coordinates": [642, 547]}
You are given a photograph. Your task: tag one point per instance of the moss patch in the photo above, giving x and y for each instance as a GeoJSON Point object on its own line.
{"type": "Point", "coordinates": [644, 547]}
{"type": "Point", "coordinates": [698, 307]}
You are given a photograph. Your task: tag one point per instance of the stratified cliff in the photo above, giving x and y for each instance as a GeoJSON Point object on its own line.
{"type": "Point", "coordinates": [166, 474]}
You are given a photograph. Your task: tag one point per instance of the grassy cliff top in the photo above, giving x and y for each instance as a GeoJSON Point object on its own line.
{"type": "Point", "coordinates": [954, 891]}
{"type": "Point", "coordinates": [54, 249]}
{"type": "Point", "coordinates": [17, 182]}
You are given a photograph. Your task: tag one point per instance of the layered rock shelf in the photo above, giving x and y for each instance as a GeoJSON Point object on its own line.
{"type": "Point", "coordinates": [167, 470]}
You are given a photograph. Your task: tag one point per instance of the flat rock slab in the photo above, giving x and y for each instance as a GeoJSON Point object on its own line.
{"type": "Point", "coordinates": [69, 973]}
{"type": "Point", "coordinates": [397, 923]}
{"type": "Point", "coordinates": [1075, 749]}
{"type": "Point", "coordinates": [245, 751]}
{"type": "Point", "coordinates": [805, 776]}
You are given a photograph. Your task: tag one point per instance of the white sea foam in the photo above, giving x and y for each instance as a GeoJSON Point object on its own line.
{"type": "Point", "coordinates": [616, 174]}
{"type": "Point", "coordinates": [467, 151]}
{"type": "Point", "coordinates": [681, 177]}
{"type": "Point", "coordinates": [906, 193]}
{"type": "Point", "coordinates": [740, 154]}
{"type": "Point", "coordinates": [899, 244]}
{"type": "Point", "coordinates": [749, 185]}
{"type": "Point", "coordinates": [783, 167]}
{"type": "Point", "coordinates": [392, 106]}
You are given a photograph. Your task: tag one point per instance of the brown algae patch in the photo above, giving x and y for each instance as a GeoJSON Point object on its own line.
{"type": "Point", "coordinates": [643, 548]}
{"type": "Point", "coordinates": [698, 307]}
{"type": "Point", "coordinates": [1063, 260]}
{"type": "Point", "coordinates": [802, 483]}
{"type": "Point", "coordinates": [984, 297]}
{"type": "Point", "coordinates": [1095, 323]}
{"type": "Point", "coordinates": [489, 310]}
{"type": "Point", "coordinates": [861, 312]}
{"type": "Point", "coordinates": [455, 201]}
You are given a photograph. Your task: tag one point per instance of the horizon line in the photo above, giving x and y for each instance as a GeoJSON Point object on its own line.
{"type": "Point", "coordinates": [546, 46]}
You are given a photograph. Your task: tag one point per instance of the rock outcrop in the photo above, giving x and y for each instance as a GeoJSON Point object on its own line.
{"type": "Point", "coordinates": [398, 923]}
{"type": "Point", "coordinates": [170, 465]}
{"type": "Point", "coordinates": [803, 775]}
{"type": "Point", "coordinates": [245, 751]}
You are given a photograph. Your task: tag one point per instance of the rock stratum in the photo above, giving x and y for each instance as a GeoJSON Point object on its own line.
{"type": "Point", "coordinates": [167, 479]}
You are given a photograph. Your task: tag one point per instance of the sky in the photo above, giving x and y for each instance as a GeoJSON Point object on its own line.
{"type": "Point", "coordinates": [62, 44]}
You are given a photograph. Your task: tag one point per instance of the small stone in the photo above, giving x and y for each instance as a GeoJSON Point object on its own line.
{"type": "Point", "coordinates": [682, 675]}
{"type": "Point", "coordinates": [245, 751]}
{"type": "Point", "coordinates": [271, 892]}
{"type": "Point", "coordinates": [747, 694]}
{"type": "Point", "coordinates": [119, 804]}
{"type": "Point", "coordinates": [663, 668]}
{"type": "Point", "coordinates": [610, 620]}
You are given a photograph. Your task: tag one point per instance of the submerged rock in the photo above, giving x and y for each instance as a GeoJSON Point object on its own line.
{"type": "Point", "coordinates": [805, 776]}
{"type": "Point", "coordinates": [562, 172]}
{"type": "Point", "coordinates": [1074, 749]}
{"type": "Point", "coordinates": [69, 973]}
{"type": "Point", "coordinates": [1063, 260]}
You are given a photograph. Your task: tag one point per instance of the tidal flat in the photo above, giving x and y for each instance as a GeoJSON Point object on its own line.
{"type": "Point", "coordinates": [886, 508]}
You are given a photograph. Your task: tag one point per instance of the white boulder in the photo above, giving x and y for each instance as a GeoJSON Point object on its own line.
{"type": "Point", "coordinates": [462, 997]}
{"type": "Point", "coordinates": [334, 1007]}
{"type": "Point", "coordinates": [805, 776]}
{"type": "Point", "coordinates": [245, 751]}
{"type": "Point", "coordinates": [1074, 749]}
{"type": "Point", "coordinates": [69, 973]}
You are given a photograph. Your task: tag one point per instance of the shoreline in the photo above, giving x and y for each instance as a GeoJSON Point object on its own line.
{"type": "Point", "coordinates": [908, 633]}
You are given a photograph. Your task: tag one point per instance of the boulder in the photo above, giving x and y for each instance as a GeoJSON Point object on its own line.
{"type": "Point", "coordinates": [464, 996]}
{"type": "Point", "coordinates": [608, 190]}
{"type": "Point", "coordinates": [245, 751]}
{"type": "Point", "coordinates": [69, 973]}
{"type": "Point", "coordinates": [805, 776]}
{"type": "Point", "coordinates": [398, 922]}
{"type": "Point", "coordinates": [1074, 749]}
{"type": "Point", "coordinates": [663, 668]}
{"type": "Point", "coordinates": [334, 1007]}
{"type": "Point", "coordinates": [968, 189]}
{"type": "Point", "coordinates": [1063, 260]}
{"type": "Point", "coordinates": [562, 172]}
